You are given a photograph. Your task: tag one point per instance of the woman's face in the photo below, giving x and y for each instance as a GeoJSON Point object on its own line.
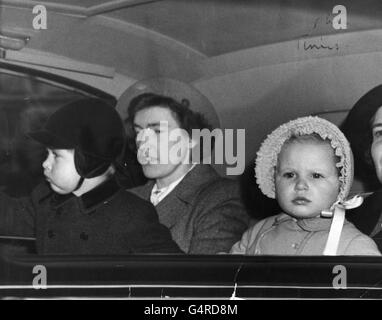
{"type": "Point", "coordinates": [376, 146]}
{"type": "Point", "coordinates": [160, 155]}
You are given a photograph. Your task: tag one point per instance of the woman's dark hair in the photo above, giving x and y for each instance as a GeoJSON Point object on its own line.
{"type": "Point", "coordinates": [182, 112]}
{"type": "Point", "coordinates": [357, 129]}
{"type": "Point", "coordinates": [186, 118]}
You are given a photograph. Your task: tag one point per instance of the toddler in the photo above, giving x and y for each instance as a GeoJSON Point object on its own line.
{"type": "Point", "coordinates": [80, 208]}
{"type": "Point", "coordinates": [307, 165]}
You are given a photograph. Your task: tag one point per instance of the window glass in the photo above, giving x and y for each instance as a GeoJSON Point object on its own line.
{"type": "Point", "coordinates": [25, 104]}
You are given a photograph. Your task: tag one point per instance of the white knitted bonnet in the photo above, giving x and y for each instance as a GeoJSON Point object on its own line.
{"type": "Point", "coordinates": [267, 155]}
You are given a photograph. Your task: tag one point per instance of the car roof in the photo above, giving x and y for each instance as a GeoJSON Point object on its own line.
{"type": "Point", "coordinates": [260, 63]}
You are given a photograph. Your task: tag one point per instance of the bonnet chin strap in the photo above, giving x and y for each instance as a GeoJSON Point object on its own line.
{"type": "Point", "coordinates": [338, 213]}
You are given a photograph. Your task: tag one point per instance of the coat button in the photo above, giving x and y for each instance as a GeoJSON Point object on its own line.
{"type": "Point", "coordinates": [50, 234]}
{"type": "Point", "coordinates": [84, 236]}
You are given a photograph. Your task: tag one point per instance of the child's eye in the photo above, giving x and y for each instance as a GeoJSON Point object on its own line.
{"type": "Point", "coordinates": [288, 175]}
{"type": "Point", "coordinates": [317, 175]}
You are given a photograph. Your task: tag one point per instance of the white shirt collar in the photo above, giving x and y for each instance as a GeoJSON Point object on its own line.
{"type": "Point", "coordinates": [158, 194]}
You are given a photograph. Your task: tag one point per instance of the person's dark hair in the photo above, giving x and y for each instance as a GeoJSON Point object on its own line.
{"type": "Point", "coordinates": [357, 129]}
{"type": "Point", "coordinates": [182, 112]}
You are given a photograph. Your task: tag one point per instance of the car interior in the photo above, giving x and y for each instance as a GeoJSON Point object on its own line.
{"type": "Point", "coordinates": [260, 63]}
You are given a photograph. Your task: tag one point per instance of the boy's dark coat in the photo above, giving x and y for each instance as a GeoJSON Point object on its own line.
{"type": "Point", "coordinates": [105, 220]}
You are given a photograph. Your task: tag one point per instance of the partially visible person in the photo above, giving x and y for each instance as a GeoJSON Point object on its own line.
{"type": "Point", "coordinates": [363, 128]}
{"type": "Point", "coordinates": [80, 209]}
{"type": "Point", "coordinates": [203, 210]}
{"type": "Point", "coordinates": [306, 164]}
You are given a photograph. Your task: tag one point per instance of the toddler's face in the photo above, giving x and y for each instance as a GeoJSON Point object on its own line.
{"type": "Point", "coordinates": [60, 170]}
{"type": "Point", "coordinates": [306, 178]}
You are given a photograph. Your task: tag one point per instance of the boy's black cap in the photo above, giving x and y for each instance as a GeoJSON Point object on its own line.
{"type": "Point", "coordinates": [90, 126]}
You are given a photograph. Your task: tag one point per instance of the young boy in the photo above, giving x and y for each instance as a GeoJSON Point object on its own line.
{"type": "Point", "coordinates": [307, 165]}
{"type": "Point", "coordinates": [81, 209]}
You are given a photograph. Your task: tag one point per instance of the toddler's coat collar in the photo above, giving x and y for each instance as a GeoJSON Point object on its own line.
{"type": "Point", "coordinates": [92, 198]}
{"type": "Point", "coordinates": [310, 224]}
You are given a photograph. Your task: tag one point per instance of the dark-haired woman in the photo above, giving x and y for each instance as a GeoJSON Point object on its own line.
{"type": "Point", "coordinates": [203, 210]}
{"type": "Point", "coordinates": [363, 128]}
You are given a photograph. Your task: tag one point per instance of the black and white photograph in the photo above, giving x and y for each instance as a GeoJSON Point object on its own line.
{"type": "Point", "coordinates": [172, 151]}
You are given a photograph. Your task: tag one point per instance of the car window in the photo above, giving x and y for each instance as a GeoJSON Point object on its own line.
{"type": "Point", "coordinates": [26, 103]}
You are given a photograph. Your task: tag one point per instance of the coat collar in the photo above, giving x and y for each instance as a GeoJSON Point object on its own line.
{"type": "Point", "coordinates": [92, 198]}
{"type": "Point", "coordinates": [189, 187]}
{"type": "Point", "coordinates": [310, 224]}
{"type": "Point", "coordinates": [177, 203]}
